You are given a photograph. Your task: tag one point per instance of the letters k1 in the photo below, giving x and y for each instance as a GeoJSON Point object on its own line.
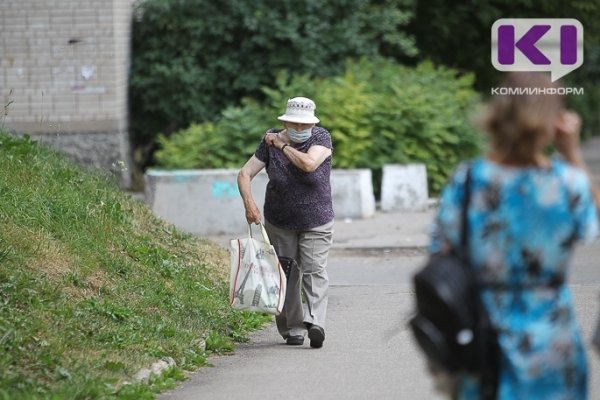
{"type": "Point", "coordinates": [544, 44]}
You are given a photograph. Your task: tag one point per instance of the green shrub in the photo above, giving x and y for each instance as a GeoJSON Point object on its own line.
{"type": "Point", "coordinates": [222, 145]}
{"type": "Point", "coordinates": [378, 113]}
{"type": "Point", "coordinates": [192, 58]}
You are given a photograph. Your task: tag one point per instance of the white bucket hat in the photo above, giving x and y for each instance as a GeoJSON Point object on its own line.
{"type": "Point", "coordinates": [300, 110]}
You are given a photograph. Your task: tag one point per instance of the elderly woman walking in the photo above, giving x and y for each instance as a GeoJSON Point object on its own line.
{"type": "Point", "coordinates": [298, 214]}
{"type": "Point", "coordinates": [526, 214]}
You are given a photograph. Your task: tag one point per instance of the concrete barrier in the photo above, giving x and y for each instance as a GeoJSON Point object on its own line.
{"type": "Point", "coordinates": [201, 201]}
{"type": "Point", "coordinates": [404, 188]}
{"type": "Point", "coordinates": [207, 202]}
{"type": "Point", "coordinates": [352, 193]}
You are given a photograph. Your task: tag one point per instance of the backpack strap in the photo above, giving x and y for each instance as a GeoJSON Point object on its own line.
{"type": "Point", "coordinates": [489, 376]}
{"type": "Point", "coordinates": [463, 251]}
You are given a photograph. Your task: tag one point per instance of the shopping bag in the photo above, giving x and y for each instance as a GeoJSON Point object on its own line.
{"type": "Point", "coordinates": [257, 281]}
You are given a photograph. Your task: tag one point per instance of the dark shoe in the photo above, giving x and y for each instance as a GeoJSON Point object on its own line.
{"type": "Point", "coordinates": [295, 340]}
{"type": "Point", "coordinates": [316, 334]}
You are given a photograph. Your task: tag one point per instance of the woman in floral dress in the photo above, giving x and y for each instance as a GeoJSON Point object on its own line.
{"type": "Point", "coordinates": [526, 214]}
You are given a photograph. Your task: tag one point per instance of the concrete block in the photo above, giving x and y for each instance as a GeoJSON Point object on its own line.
{"type": "Point", "coordinates": [404, 188]}
{"type": "Point", "coordinates": [201, 201]}
{"type": "Point", "coordinates": [207, 202]}
{"type": "Point", "coordinates": [352, 193]}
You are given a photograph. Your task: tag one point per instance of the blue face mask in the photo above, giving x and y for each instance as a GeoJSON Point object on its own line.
{"type": "Point", "coordinates": [299, 136]}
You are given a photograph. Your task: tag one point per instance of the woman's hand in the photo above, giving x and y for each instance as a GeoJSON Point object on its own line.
{"type": "Point", "coordinates": [566, 139]}
{"type": "Point", "coordinates": [253, 214]}
{"type": "Point", "coordinates": [273, 139]}
{"type": "Point", "coordinates": [269, 137]}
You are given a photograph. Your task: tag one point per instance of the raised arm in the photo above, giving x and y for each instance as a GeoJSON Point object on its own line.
{"type": "Point", "coordinates": [307, 162]}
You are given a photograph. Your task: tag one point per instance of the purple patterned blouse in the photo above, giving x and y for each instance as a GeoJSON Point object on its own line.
{"type": "Point", "coordinates": [295, 199]}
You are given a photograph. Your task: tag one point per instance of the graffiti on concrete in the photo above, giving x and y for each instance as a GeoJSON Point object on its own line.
{"type": "Point", "coordinates": [223, 190]}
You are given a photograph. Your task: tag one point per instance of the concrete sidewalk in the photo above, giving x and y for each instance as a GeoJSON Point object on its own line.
{"type": "Point", "coordinates": [384, 231]}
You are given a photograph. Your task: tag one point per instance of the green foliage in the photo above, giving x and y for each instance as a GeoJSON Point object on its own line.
{"type": "Point", "coordinates": [192, 58]}
{"type": "Point", "coordinates": [458, 35]}
{"type": "Point", "coordinates": [378, 112]}
{"type": "Point", "coordinates": [93, 287]}
{"type": "Point", "coordinates": [220, 145]}
{"type": "Point", "coordinates": [218, 343]}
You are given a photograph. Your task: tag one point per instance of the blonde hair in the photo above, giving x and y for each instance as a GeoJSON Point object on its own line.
{"type": "Point", "coordinates": [516, 123]}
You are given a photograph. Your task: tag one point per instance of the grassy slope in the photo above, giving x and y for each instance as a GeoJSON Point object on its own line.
{"type": "Point", "coordinates": [93, 287]}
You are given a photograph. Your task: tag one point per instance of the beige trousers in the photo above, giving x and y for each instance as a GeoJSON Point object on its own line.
{"type": "Point", "coordinates": [310, 249]}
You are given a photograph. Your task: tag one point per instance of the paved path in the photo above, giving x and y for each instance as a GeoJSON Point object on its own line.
{"type": "Point", "coordinates": [368, 352]}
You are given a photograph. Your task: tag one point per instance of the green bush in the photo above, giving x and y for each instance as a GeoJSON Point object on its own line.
{"type": "Point", "coordinates": [217, 145]}
{"type": "Point", "coordinates": [192, 58]}
{"type": "Point", "coordinates": [378, 113]}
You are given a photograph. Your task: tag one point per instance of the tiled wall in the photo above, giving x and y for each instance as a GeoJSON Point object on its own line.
{"type": "Point", "coordinates": [63, 74]}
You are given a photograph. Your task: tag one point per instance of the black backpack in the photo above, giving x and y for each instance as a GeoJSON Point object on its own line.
{"type": "Point", "coordinates": [451, 325]}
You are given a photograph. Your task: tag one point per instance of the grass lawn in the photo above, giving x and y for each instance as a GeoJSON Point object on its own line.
{"type": "Point", "coordinates": [93, 287]}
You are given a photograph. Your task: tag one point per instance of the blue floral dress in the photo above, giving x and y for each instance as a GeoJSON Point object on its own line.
{"type": "Point", "coordinates": [523, 225]}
